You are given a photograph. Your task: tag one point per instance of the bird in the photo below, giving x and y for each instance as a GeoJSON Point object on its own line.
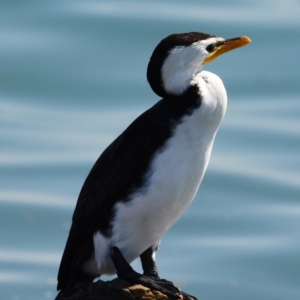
{"type": "Point", "coordinates": [148, 176]}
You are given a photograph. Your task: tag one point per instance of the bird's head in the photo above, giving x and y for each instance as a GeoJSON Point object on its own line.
{"type": "Point", "coordinates": [179, 57]}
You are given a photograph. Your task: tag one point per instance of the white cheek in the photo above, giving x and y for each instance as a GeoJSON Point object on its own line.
{"type": "Point", "coordinates": [182, 64]}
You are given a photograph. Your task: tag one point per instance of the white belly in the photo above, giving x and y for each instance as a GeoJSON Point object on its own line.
{"type": "Point", "coordinates": [172, 182]}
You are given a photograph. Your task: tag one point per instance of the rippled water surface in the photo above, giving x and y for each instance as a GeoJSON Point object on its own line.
{"type": "Point", "coordinates": [72, 77]}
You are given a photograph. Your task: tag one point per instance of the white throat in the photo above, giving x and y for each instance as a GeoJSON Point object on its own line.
{"type": "Point", "coordinates": [183, 63]}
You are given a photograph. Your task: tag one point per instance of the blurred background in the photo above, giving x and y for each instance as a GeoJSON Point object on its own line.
{"type": "Point", "coordinates": [72, 77]}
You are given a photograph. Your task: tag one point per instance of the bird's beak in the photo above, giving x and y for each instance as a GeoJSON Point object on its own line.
{"type": "Point", "coordinates": [226, 46]}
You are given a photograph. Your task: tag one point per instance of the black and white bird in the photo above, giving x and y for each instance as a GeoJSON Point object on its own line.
{"type": "Point", "coordinates": [148, 176]}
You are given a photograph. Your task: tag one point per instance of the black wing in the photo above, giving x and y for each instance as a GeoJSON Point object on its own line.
{"type": "Point", "coordinates": [120, 170]}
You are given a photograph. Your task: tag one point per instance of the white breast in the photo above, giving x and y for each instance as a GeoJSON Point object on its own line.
{"type": "Point", "coordinates": [173, 180]}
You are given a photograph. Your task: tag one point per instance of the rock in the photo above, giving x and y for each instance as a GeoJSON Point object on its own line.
{"type": "Point", "coordinates": [117, 289]}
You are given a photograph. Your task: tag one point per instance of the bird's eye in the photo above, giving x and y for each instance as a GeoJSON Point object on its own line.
{"type": "Point", "coordinates": [210, 48]}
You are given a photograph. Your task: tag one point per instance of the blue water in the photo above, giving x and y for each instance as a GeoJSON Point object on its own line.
{"type": "Point", "coordinates": [72, 77]}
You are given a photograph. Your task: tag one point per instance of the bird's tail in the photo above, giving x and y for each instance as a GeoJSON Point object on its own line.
{"type": "Point", "coordinates": [78, 277]}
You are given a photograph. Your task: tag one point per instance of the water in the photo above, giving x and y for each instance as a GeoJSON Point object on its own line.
{"type": "Point", "coordinates": [72, 77]}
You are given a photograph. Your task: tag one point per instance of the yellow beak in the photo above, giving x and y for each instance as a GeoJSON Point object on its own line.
{"type": "Point", "coordinates": [226, 46]}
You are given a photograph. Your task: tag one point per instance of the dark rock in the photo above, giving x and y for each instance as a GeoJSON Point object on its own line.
{"type": "Point", "coordinates": [116, 289]}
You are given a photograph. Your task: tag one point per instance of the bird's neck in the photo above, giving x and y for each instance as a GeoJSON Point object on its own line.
{"type": "Point", "coordinates": [213, 99]}
{"type": "Point", "coordinates": [176, 77]}
{"type": "Point", "coordinates": [179, 82]}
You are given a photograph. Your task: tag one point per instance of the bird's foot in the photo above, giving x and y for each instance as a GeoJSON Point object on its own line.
{"type": "Point", "coordinates": [168, 284]}
{"type": "Point", "coordinates": [125, 271]}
